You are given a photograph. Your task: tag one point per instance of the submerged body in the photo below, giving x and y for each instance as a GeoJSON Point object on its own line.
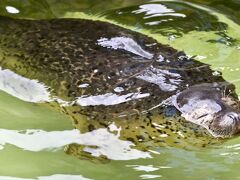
{"type": "Point", "coordinates": [108, 74]}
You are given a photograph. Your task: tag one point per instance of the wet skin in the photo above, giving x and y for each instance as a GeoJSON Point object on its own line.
{"type": "Point", "coordinates": [108, 74]}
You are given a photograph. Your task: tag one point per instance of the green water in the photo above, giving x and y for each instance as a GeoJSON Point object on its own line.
{"type": "Point", "coordinates": [33, 136]}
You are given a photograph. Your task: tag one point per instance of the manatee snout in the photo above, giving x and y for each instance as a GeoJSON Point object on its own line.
{"type": "Point", "coordinates": [225, 123]}
{"type": "Point", "coordinates": [208, 107]}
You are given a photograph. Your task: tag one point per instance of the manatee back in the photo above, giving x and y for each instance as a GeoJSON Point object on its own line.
{"type": "Point", "coordinates": [109, 74]}
{"type": "Point", "coordinates": [66, 54]}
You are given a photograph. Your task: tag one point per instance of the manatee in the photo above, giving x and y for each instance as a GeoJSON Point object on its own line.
{"type": "Point", "coordinates": [107, 74]}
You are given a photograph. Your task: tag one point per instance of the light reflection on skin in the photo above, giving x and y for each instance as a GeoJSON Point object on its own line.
{"type": "Point", "coordinates": [159, 77]}
{"type": "Point", "coordinates": [108, 144]}
{"type": "Point", "coordinates": [109, 99]}
{"type": "Point", "coordinates": [167, 81]}
{"type": "Point", "coordinates": [126, 44]}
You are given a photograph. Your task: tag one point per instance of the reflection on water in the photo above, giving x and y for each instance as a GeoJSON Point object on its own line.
{"type": "Point", "coordinates": [23, 88]}
{"type": "Point", "coordinates": [149, 176]}
{"type": "Point", "coordinates": [148, 168]}
{"type": "Point", "coordinates": [156, 10]}
{"type": "Point", "coordinates": [107, 143]}
{"type": "Point", "coordinates": [12, 10]}
{"type": "Point", "coordinates": [52, 177]}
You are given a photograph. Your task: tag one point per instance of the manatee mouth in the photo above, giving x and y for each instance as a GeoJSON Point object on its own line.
{"type": "Point", "coordinates": [225, 125]}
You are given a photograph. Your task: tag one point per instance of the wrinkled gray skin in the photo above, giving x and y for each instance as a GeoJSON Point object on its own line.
{"type": "Point", "coordinates": [109, 72]}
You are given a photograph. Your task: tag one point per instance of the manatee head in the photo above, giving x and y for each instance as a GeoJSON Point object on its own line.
{"type": "Point", "coordinates": [210, 108]}
{"type": "Point", "coordinates": [225, 123]}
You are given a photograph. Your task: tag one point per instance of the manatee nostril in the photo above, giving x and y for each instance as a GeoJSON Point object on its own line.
{"type": "Point", "coordinates": [226, 125]}
{"type": "Point", "coordinates": [232, 117]}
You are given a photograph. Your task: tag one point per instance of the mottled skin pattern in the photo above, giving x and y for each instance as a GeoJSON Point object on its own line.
{"type": "Point", "coordinates": [63, 54]}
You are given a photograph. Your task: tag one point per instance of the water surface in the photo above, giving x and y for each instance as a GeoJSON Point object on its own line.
{"type": "Point", "coordinates": [34, 136]}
